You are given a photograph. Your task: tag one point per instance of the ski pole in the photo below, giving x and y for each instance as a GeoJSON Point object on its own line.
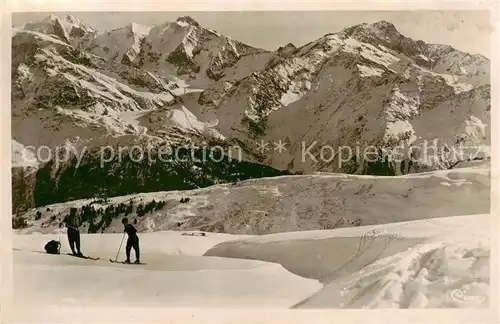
{"type": "Point", "coordinates": [59, 238]}
{"type": "Point", "coordinates": [116, 258]}
{"type": "Point", "coordinates": [60, 233]}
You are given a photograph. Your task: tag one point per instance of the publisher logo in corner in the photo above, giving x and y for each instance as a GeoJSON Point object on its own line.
{"type": "Point", "coordinates": [464, 296]}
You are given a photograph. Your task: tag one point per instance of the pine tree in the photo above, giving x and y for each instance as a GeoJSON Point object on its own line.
{"type": "Point", "coordinates": [140, 210]}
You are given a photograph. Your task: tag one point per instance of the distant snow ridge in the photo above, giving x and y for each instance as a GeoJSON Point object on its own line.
{"type": "Point", "coordinates": [190, 42]}
{"type": "Point", "coordinates": [369, 52]}
{"type": "Point", "coordinates": [177, 118]}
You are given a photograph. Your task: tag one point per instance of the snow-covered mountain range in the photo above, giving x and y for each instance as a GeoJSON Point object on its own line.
{"type": "Point", "coordinates": [179, 82]}
{"type": "Point", "coordinates": [366, 85]}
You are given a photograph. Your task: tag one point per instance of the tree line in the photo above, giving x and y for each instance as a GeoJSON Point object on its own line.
{"type": "Point", "coordinates": [100, 218]}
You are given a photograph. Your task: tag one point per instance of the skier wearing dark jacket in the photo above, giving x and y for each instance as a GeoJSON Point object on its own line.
{"type": "Point", "coordinates": [132, 241]}
{"type": "Point", "coordinates": [73, 222]}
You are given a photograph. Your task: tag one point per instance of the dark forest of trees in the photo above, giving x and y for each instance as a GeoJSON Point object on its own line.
{"type": "Point", "coordinates": [124, 177]}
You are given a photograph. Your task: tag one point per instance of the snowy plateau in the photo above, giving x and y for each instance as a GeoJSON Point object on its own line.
{"type": "Point", "coordinates": [273, 231]}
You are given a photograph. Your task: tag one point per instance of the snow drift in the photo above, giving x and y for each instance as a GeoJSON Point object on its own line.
{"type": "Point", "coordinates": [438, 263]}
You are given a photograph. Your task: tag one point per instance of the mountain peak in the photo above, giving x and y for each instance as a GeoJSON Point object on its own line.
{"type": "Point", "coordinates": [50, 18]}
{"type": "Point", "coordinates": [73, 19]}
{"type": "Point", "coordinates": [381, 28]}
{"type": "Point", "coordinates": [187, 20]}
{"type": "Point", "coordinates": [383, 25]}
{"type": "Point", "coordinates": [139, 29]}
{"type": "Point", "coordinates": [60, 25]}
{"type": "Point", "coordinates": [288, 48]}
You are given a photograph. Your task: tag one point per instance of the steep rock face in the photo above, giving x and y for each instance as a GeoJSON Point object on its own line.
{"type": "Point", "coordinates": [24, 166]}
{"type": "Point", "coordinates": [442, 59]}
{"type": "Point", "coordinates": [81, 82]}
{"type": "Point", "coordinates": [59, 92]}
{"type": "Point", "coordinates": [196, 54]}
{"type": "Point", "coordinates": [69, 29]}
{"type": "Point", "coordinates": [121, 44]}
{"type": "Point", "coordinates": [23, 184]}
{"type": "Point", "coordinates": [365, 86]}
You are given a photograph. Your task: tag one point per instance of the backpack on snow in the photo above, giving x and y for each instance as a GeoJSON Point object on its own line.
{"type": "Point", "coordinates": [53, 247]}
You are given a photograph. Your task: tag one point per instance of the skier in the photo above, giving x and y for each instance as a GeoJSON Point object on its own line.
{"type": "Point", "coordinates": [73, 221]}
{"type": "Point", "coordinates": [132, 241]}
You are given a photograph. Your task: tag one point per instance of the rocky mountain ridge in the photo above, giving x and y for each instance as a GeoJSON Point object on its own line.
{"type": "Point", "coordinates": [181, 83]}
{"type": "Point", "coordinates": [367, 84]}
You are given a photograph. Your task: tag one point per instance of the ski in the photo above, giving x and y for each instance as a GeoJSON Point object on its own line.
{"type": "Point", "coordinates": [123, 262]}
{"type": "Point", "coordinates": [83, 257]}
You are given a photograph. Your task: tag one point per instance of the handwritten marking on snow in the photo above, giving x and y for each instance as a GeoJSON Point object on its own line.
{"type": "Point", "coordinates": [374, 232]}
{"type": "Point", "coordinates": [464, 297]}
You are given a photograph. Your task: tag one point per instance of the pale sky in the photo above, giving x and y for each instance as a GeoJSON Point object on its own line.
{"type": "Point", "coordinates": [465, 30]}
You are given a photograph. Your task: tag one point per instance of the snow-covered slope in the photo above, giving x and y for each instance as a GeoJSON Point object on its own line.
{"type": "Point", "coordinates": [435, 263]}
{"type": "Point", "coordinates": [60, 92]}
{"type": "Point", "coordinates": [175, 275]}
{"type": "Point", "coordinates": [291, 203]}
{"type": "Point", "coordinates": [438, 263]}
{"type": "Point", "coordinates": [177, 118]}
{"type": "Point", "coordinates": [121, 44]}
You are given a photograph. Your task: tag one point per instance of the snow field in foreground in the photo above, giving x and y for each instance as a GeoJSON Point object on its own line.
{"type": "Point", "coordinates": [434, 263]}
{"type": "Point", "coordinates": [175, 275]}
{"type": "Point", "coordinates": [430, 263]}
